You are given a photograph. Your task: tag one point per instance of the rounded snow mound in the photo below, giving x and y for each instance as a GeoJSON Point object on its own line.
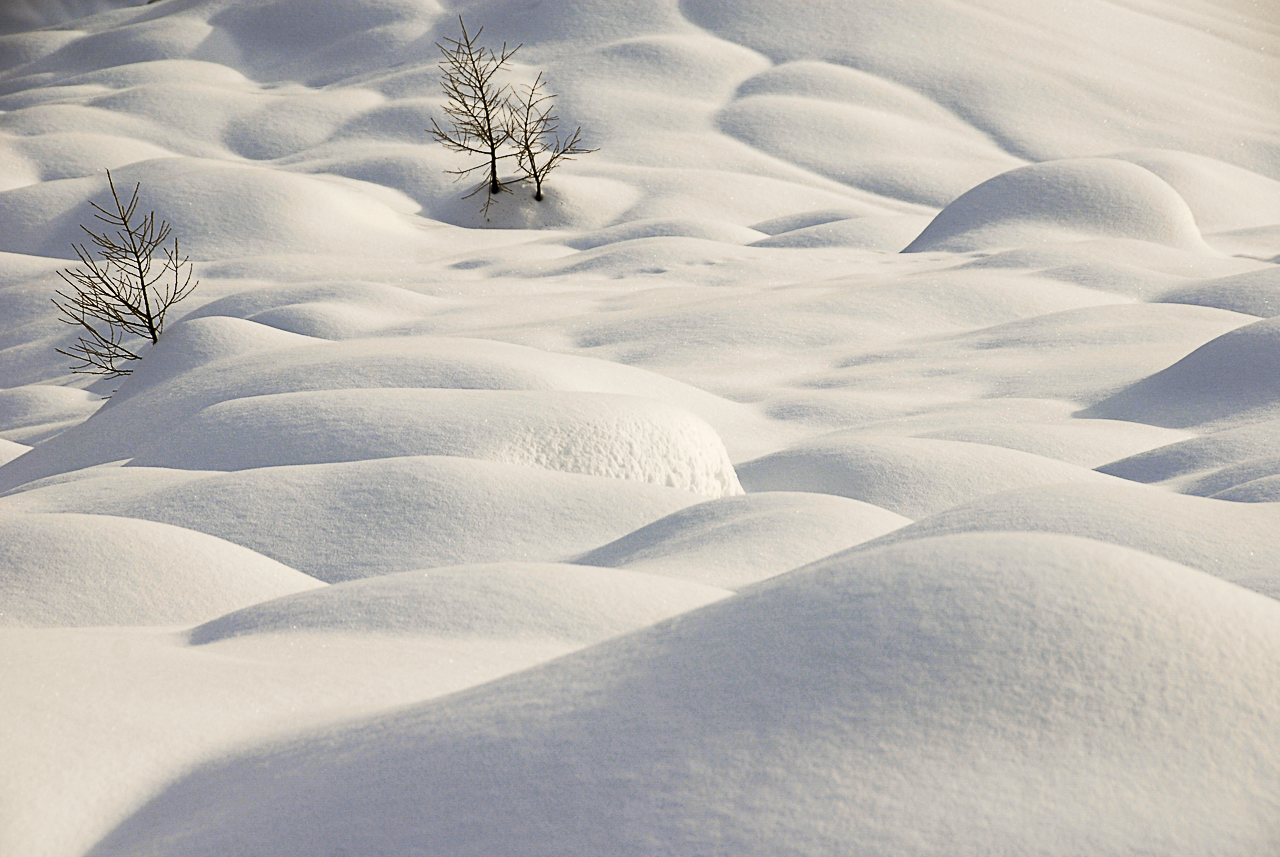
{"type": "Point", "coordinates": [363, 518]}
{"type": "Point", "coordinates": [1197, 454]}
{"type": "Point", "coordinates": [69, 569]}
{"type": "Point", "coordinates": [907, 475]}
{"type": "Point", "coordinates": [1221, 196]}
{"type": "Point", "coordinates": [726, 233]}
{"type": "Point", "coordinates": [1230, 379]}
{"type": "Point", "coordinates": [737, 541]}
{"type": "Point", "coordinates": [1254, 293]}
{"type": "Point", "coordinates": [29, 414]}
{"type": "Point", "coordinates": [1263, 490]}
{"type": "Point", "coordinates": [623, 437]}
{"type": "Point", "coordinates": [217, 209]}
{"type": "Point", "coordinates": [196, 342]}
{"type": "Point", "coordinates": [568, 603]}
{"type": "Point", "coordinates": [150, 410]}
{"type": "Point", "coordinates": [1074, 198]}
{"type": "Point", "coordinates": [1232, 541]}
{"type": "Point", "coordinates": [983, 694]}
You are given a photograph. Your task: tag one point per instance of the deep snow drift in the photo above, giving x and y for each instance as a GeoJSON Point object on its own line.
{"type": "Point", "coordinates": [682, 512]}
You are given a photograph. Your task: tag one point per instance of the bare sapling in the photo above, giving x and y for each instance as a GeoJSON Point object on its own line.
{"type": "Point", "coordinates": [475, 105]}
{"type": "Point", "coordinates": [119, 301]}
{"type": "Point", "coordinates": [534, 133]}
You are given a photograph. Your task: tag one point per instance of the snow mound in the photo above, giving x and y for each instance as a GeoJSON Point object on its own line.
{"type": "Point", "coordinates": [910, 476]}
{"type": "Point", "coordinates": [217, 208]}
{"type": "Point", "coordinates": [1232, 541]}
{"type": "Point", "coordinates": [31, 413]}
{"type": "Point", "coordinates": [863, 131]}
{"type": "Point", "coordinates": [1265, 489]}
{"type": "Point", "coordinates": [1222, 482]}
{"type": "Point", "coordinates": [1222, 197]}
{"type": "Point", "coordinates": [727, 233]}
{"type": "Point", "coordinates": [1075, 198]}
{"type": "Point", "coordinates": [1087, 443]}
{"type": "Point", "coordinates": [1254, 292]}
{"type": "Point", "coordinates": [968, 695]}
{"type": "Point", "coordinates": [58, 569]}
{"type": "Point", "coordinates": [738, 541]}
{"type": "Point", "coordinates": [573, 604]}
{"type": "Point", "coordinates": [358, 519]}
{"type": "Point", "coordinates": [623, 437]}
{"type": "Point", "coordinates": [1234, 378]}
{"type": "Point", "coordinates": [884, 234]}
{"type": "Point", "coordinates": [196, 342]}
{"type": "Point", "coordinates": [1198, 454]}
{"type": "Point", "coordinates": [148, 410]}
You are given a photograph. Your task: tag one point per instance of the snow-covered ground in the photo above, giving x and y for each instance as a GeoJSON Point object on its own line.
{"type": "Point", "coordinates": [873, 448]}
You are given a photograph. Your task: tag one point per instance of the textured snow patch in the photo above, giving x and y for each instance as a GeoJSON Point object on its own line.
{"type": "Point", "coordinates": [971, 695]}
{"type": "Point", "coordinates": [624, 437]}
{"type": "Point", "coordinates": [68, 569]}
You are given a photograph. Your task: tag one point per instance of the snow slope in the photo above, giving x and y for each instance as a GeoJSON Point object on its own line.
{"type": "Point", "coordinates": [795, 542]}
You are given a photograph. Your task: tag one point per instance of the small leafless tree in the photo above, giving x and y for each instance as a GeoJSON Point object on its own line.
{"type": "Point", "coordinates": [476, 105]}
{"type": "Point", "coordinates": [118, 299]}
{"type": "Point", "coordinates": [534, 131]}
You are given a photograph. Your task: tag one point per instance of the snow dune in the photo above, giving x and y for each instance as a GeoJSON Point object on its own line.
{"type": "Point", "coordinates": [970, 694]}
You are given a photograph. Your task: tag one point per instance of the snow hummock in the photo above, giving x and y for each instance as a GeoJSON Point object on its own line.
{"type": "Point", "coordinates": [1083, 198]}
{"type": "Point", "coordinates": [1008, 692]}
{"type": "Point", "coordinates": [70, 570]}
{"type": "Point", "coordinates": [514, 442]}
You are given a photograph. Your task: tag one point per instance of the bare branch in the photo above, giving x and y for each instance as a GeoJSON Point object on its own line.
{"type": "Point", "coordinates": [476, 107]}
{"type": "Point", "coordinates": [534, 131]}
{"type": "Point", "coordinates": [117, 298]}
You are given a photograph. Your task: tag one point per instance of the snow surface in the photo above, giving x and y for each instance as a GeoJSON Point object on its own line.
{"type": "Point", "coordinates": [682, 512]}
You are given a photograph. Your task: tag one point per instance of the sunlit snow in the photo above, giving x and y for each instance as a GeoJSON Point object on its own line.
{"type": "Point", "coordinates": [871, 448]}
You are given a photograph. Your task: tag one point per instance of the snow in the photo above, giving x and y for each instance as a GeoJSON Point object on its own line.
{"type": "Point", "coordinates": [1025, 692]}
{"type": "Point", "coordinates": [681, 512]}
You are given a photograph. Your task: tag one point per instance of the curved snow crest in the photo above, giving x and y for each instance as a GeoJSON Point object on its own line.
{"type": "Point", "coordinates": [1074, 198]}
{"type": "Point", "coordinates": [85, 570]}
{"type": "Point", "coordinates": [737, 541]}
{"type": "Point", "coordinates": [356, 519]}
{"type": "Point", "coordinates": [910, 476]}
{"type": "Point", "coordinates": [975, 694]}
{"type": "Point", "coordinates": [226, 363]}
{"type": "Point", "coordinates": [1229, 380]}
{"type": "Point", "coordinates": [597, 434]}
{"type": "Point", "coordinates": [1233, 541]}
{"type": "Point", "coordinates": [573, 604]}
